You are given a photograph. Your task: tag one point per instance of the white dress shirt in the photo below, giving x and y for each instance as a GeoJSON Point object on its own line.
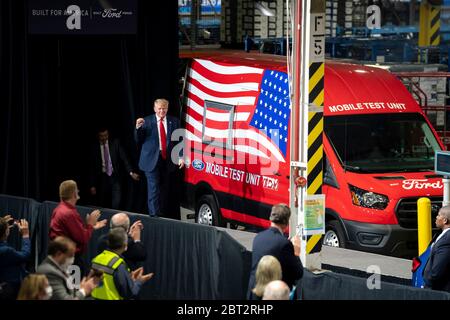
{"type": "Point", "coordinates": [440, 236]}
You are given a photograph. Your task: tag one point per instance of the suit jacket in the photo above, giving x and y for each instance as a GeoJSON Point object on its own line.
{"type": "Point", "coordinates": [436, 273]}
{"type": "Point", "coordinates": [134, 255]}
{"type": "Point", "coordinates": [272, 242]}
{"type": "Point", "coordinates": [57, 279]}
{"type": "Point", "coordinates": [119, 161]}
{"type": "Point", "coordinates": [147, 136]}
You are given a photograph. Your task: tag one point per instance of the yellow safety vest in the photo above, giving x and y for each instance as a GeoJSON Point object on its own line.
{"type": "Point", "coordinates": [107, 262]}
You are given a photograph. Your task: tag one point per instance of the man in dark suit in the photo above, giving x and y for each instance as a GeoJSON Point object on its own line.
{"type": "Point", "coordinates": [273, 242]}
{"type": "Point", "coordinates": [436, 273]}
{"type": "Point", "coordinates": [154, 133]}
{"type": "Point", "coordinates": [108, 161]}
{"type": "Point", "coordinates": [136, 252]}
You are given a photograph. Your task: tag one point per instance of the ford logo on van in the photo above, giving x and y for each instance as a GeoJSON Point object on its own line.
{"type": "Point", "coordinates": [198, 165]}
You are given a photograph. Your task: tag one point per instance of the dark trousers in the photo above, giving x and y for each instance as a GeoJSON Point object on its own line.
{"type": "Point", "coordinates": [9, 291]}
{"type": "Point", "coordinates": [157, 188]}
{"type": "Point", "coordinates": [110, 192]}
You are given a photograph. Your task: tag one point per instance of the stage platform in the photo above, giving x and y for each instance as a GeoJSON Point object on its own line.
{"type": "Point", "coordinates": [338, 259]}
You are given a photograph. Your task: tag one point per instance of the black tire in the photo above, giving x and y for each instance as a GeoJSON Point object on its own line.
{"type": "Point", "coordinates": [207, 212]}
{"type": "Point", "coordinates": [334, 235]}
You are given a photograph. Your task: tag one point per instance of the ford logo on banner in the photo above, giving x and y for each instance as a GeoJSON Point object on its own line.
{"type": "Point", "coordinates": [198, 165]}
{"type": "Point", "coordinates": [82, 16]}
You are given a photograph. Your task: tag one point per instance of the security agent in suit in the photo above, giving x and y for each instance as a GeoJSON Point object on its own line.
{"type": "Point", "coordinates": [154, 133]}
{"type": "Point", "coordinates": [436, 273]}
{"type": "Point", "coordinates": [136, 253]}
{"type": "Point", "coordinates": [108, 160]}
{"type": "Point", "coordinates": [273, 242]}
{"type": "Point", "coordinates": [61, 252]}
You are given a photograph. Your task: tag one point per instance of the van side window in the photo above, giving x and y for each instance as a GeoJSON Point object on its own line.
{"type": "Point", "coordinates": [329, 177]}
{"type": "Point", "coordinates": [218, 124]}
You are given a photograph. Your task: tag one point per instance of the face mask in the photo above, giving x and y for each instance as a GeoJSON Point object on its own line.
{"type": "Point", "coordinates": [48, 293]}
{"type": "Point", "coordinates": [67, 263]}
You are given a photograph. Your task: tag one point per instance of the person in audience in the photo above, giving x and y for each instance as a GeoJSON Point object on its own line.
{"type": "Point", "coordinates": [269, 269]}
{"type": "Point", "coordinates": [12, 261]}
{"type": "Point", "coordinates": [67, 222]}
{"type": "Point", "coordinates": [118, 283]}
{"type": "Point", "coordinates": [109, 163]}
{"type": "Point", "coordinates": [436, 274]}
{"type": "Point", "coordinates": [273, 242]}
{"type": "Point", "coordinates": [61, 252]}
{"type": "Point", "coordinates": [136, 253]}
{"type": "Point", "coordinates": [35, 287]}
{"type": "Point", "coordinates": [276, 290]}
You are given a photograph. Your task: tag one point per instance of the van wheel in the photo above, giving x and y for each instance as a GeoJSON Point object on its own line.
{"type": "Point", "coordinates": [206, 211]}
{"type": "Point", "coordinates": [334, 236]}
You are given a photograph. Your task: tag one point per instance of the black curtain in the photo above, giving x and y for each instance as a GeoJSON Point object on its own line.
{"type": "Point", "coordinates": [56, 90]}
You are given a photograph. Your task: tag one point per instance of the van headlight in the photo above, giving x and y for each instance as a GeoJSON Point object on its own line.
{"type": "Point", "coordinates": [368, 199]}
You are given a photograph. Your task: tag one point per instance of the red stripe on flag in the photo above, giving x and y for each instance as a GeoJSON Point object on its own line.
{"type": "Point", "coordinates": [226, 78]}
{"type": "Point", "coordinates": [218, 94]}
{"type": "Point", "coordinates": [201, 102]}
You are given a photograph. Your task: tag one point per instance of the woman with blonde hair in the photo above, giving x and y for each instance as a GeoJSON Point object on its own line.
{"type": "Point", "coordinates": [35, 287]}
{"type": "Point", "coordinates": [268, 269]}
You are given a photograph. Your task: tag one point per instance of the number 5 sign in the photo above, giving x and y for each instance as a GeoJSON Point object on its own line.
{"type": "Point", "coordinates": [317, 50]}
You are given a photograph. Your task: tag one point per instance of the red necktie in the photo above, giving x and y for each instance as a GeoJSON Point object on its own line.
{"type": "Point", "coordinates": [162, 133]}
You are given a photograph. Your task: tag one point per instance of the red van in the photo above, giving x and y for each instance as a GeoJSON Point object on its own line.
{"type": "Point", "coordinates": [378, 149]}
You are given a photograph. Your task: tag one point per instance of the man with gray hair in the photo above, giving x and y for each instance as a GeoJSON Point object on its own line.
{"type": "Point", "coordinates": [136, 252]}
{"type": "Point", "coordinates": [118, 283]}
{"type": "Point", "coordinates": [436, 273]}
{"type": "Point", "coordinates": [276, 290]}
{"type": "Point", "coordinates": [273, 242]}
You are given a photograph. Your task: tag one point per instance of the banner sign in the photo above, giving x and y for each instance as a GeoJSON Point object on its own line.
{"type": "Point", "coordinates": [315, 214]}
{"type": "Point", "coordinates": [86, 17]}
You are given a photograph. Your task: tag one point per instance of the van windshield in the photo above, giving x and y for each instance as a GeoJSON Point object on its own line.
{"type": "Point", "coordinates": [399, 142]}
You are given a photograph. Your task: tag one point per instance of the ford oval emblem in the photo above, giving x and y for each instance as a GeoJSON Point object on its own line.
{"type": "Point", "coordinates": [198, 165]}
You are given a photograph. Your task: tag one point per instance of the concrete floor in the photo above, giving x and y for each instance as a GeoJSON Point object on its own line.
{"type": "Point", "coordinates": [339, 257]}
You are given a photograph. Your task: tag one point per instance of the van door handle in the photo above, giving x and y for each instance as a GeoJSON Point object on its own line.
{"type": "Point", "coordinates": [276, 173]}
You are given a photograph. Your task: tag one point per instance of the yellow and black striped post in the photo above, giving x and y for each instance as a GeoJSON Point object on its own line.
{"type": "Point", "coordinates": [430, 24]}
{"type": "Point", "coordinates": [307, 124]}
{"type": "Point", "coordinates": [315, 144]}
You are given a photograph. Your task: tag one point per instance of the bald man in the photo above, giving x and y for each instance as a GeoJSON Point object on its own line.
{"type": "Point", "coordinates": [136, 253]}
{"type": "Point", "coordinates": [276, 290]}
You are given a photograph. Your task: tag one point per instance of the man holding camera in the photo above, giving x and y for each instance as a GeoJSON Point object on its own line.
{"type": "Point", "coordinates": [12, 261]}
